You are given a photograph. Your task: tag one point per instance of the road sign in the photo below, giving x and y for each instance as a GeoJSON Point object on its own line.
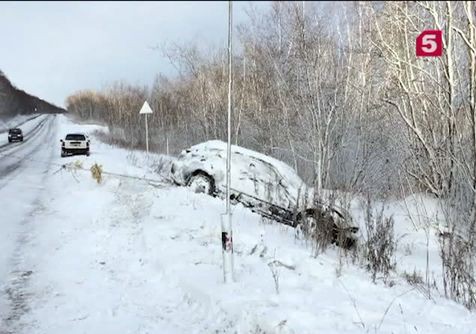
{"type": "Point", "coordinates": [146, 109]}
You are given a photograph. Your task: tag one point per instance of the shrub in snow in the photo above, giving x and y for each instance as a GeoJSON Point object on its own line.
{"type": "Point", "coordinates": [72, 168]}
{"type": "Point", "coordinates": [457, 255]}
{"type": "Point", "coordinates": [380, 246]}
{"type": "Point", "coordinates": [96, 172]}
{"type": "Point", "coordinates": [161, 165]}
{"type": "Point", "coordinates": [414, 278]}
{"type": "Point", "coordinates": [458, 244]}
{"type": "Point", "coordinates": [319, 229]}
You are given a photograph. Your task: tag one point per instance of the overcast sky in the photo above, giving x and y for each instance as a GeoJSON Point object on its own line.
{"type": "Point", "coordinates": [52, 49]}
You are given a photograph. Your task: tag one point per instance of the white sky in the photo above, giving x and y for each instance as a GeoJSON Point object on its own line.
{"type": "Point", "coordinates": [52, 49]}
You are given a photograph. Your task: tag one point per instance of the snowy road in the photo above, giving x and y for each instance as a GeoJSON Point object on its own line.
{"type": "Point", "coordinates": [14, 154]}
{"type": "Point", "coordinates": [23, 168]}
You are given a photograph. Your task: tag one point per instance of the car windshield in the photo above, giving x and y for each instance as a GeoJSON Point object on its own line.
{"type": "Point", "coordinates": [15, 131]}
{"type": "Point", "coordinates": [75, 137]}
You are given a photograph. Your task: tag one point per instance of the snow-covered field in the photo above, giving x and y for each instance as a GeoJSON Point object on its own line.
{"type": "Point", "coordinates": [138, 256]}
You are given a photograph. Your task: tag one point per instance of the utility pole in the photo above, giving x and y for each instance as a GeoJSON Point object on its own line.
{"type": "Point", "coordinates": [227, 232]}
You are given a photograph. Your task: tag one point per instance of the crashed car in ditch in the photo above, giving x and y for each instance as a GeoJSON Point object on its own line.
{"type": "Point", "coordinates": [267, 186]}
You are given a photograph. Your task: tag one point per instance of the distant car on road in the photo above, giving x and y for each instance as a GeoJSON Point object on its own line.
{"type": "Point", "coordinates": [15, 135]}
{"type": "Point", "coordinates": [263, 184]}
{"type": "Point", "coordinates": [75, 143]}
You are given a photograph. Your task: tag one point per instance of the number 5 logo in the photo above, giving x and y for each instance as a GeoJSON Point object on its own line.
{"type": "Point", "coordinates": [429, 44]}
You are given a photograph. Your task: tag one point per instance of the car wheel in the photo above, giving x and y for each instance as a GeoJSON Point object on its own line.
{"type": "Point", "coordinates": [201, 183]}
{"type": "Point", "coordinates": [62, 154]}
{"type": "Point", "coordinates": [87, 153]}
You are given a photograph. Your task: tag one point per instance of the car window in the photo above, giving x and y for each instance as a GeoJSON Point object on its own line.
{"type": "Point", "coordinates": [254, 177]}
{"type": "Point", "coordinates": [15, 131]}
{"type": "Point", "coordinates": [75, 137]}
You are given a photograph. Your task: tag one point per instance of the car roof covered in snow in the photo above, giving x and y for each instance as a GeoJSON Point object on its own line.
{"type": "Point", "coordinates": [286, 171]}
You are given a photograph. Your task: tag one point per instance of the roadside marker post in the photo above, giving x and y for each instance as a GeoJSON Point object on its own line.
{"type": "Point", "coordinates": [226, 226]}
{"type": "Point", "coordinates": [146, 110]}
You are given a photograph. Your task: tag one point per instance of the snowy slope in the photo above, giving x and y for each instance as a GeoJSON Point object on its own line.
{"type": "Point", "coordinates": [126, 256]}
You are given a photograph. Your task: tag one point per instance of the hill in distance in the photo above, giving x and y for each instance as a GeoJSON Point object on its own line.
{"type": "Point", "coordinates": [14, 101]}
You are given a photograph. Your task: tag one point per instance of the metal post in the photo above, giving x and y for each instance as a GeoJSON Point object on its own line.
{"type": "Point", "coordinates": [167, 144]}
{"type": "Point", "coordinates": [230, 87]}
{"type": "Point", "coordinates": [146, 135]}
{"type": "Point", "coordinates": [146, 110]}
{"type": "Point", "coordinates": [227, 232]}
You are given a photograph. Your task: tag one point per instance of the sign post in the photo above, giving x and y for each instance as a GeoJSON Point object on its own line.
{"type": "Point", "coordinates": [146, 109]}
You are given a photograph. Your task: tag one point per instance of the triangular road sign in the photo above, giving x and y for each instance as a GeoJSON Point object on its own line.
{"type": "Point", "coordinates": [145, 109]}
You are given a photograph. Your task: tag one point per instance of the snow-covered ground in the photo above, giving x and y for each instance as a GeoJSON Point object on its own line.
{"type": "Point", "coordinates": [138, 256]}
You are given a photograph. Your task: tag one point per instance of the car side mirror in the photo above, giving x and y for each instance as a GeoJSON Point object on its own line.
{"type": "Point", "coordinates": [61, 140]}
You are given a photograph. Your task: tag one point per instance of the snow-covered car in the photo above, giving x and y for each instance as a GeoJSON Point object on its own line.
{"type": "Point", "coordinates": [263, 184]}
{"type": "Point", "coordinates": [75, 143]}
{"type": "Point", "coordinates": [15, 135]}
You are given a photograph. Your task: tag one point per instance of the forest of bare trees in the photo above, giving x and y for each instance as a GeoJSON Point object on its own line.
{"type": "Point", "coordinates": [14, 101]}
{"type": "Point", "coordinates": [337, 92]}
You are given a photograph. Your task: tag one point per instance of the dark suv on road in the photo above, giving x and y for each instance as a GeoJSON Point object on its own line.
{"type": "Point", "coordinates": [15, 135]}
